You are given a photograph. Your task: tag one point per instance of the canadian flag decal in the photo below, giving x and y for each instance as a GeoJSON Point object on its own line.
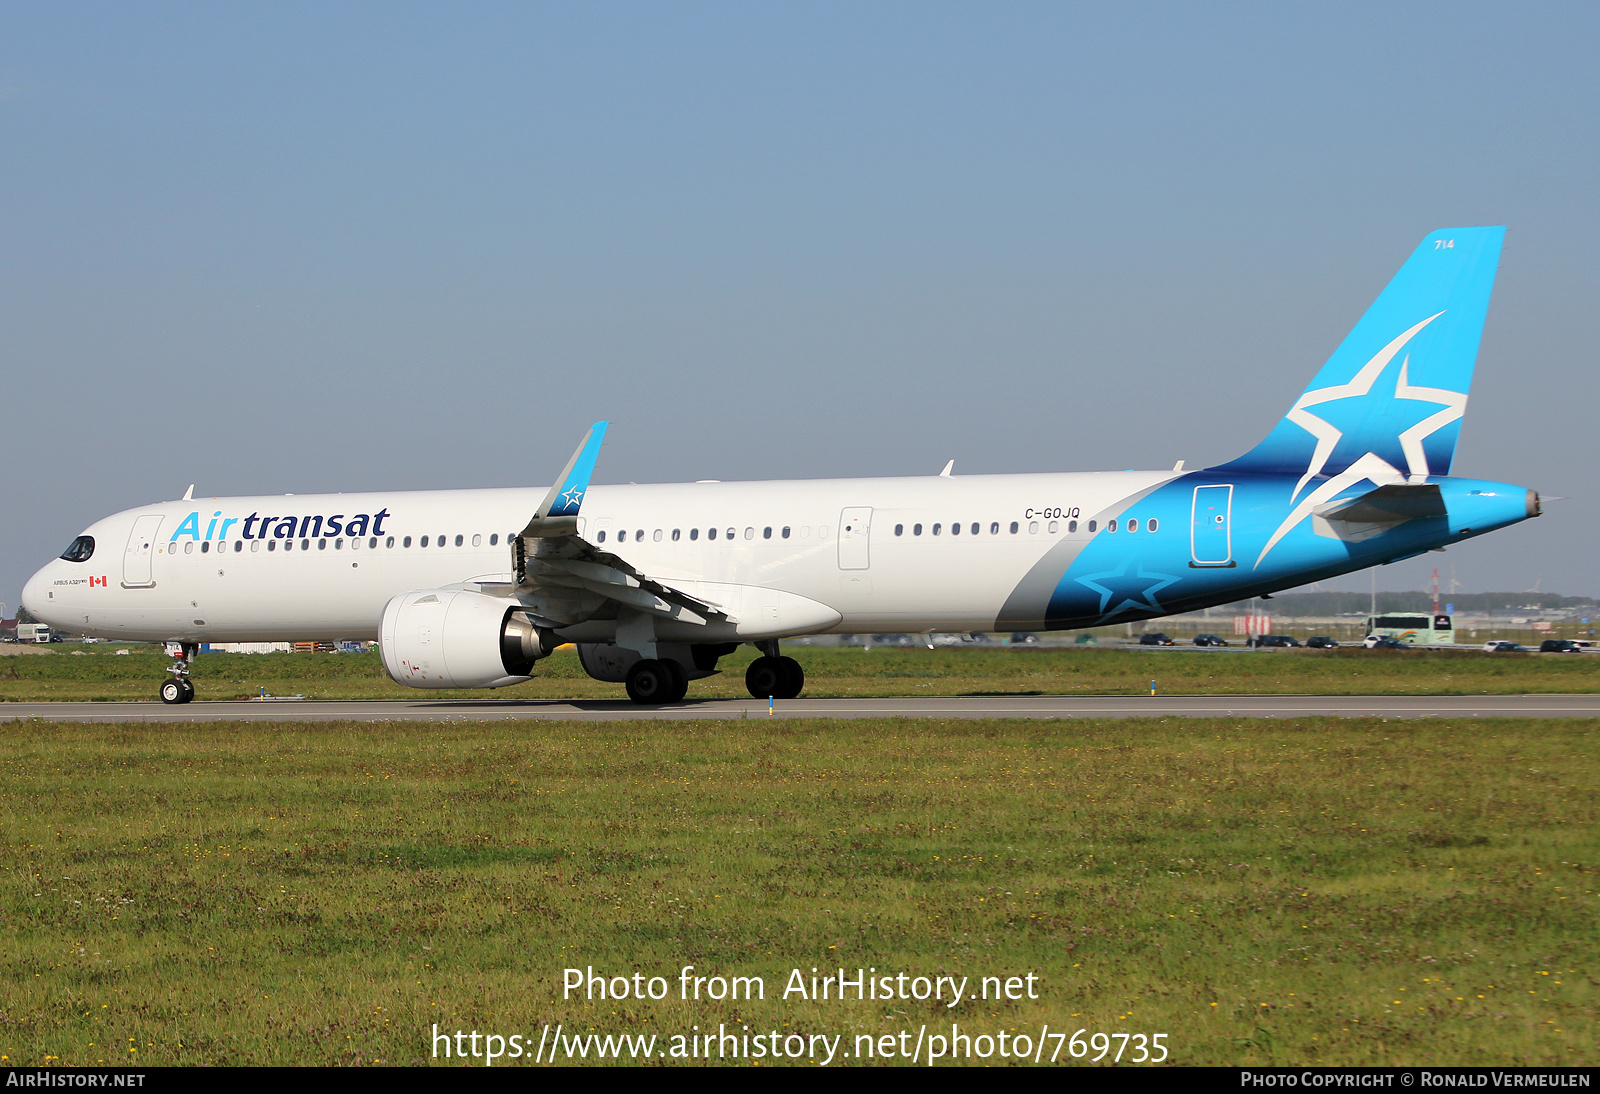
{"type": "Point", "coordinates": [100, 581]}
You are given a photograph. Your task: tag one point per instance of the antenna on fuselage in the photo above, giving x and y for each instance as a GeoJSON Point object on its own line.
{"type": "Point", "coordinates": [949, 467]}
{"type": "Point", "coordinates": [188, 495]}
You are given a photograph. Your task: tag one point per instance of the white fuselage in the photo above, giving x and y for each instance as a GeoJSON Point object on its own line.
{"type": "Point", "coordinates": [194, 576]}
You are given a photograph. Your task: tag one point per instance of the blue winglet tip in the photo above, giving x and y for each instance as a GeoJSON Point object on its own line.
{"type": "Point", "coordinates": [576, 484]}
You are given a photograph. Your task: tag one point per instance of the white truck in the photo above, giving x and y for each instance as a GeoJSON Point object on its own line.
{"type": "Point", "coordinates": [33, 632]}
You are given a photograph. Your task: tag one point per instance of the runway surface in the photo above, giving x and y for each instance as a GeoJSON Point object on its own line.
{"type": "Point", "coordinates": [1029, 706]}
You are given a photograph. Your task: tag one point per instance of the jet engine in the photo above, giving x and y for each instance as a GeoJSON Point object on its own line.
{"type": "Point", "coordinates": [440, 638]}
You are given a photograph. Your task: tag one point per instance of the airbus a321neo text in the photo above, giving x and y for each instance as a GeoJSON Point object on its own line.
{"type": "Point", "coordinates": [654, 583]}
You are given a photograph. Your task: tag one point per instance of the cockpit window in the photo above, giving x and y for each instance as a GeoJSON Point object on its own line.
{"type": "Point", "coordinates": [79, 549]}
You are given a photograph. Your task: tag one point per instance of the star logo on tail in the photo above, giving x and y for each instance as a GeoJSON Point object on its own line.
{"type": "Point", "coordinates": [1391, 429]}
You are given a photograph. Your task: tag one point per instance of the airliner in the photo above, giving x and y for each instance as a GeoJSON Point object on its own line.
{"type": "Point", "coordinates": [655, 583]}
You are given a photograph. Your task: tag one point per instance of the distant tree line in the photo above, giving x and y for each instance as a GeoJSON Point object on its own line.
{"type": "Point", "coordinates": [1298, 604]}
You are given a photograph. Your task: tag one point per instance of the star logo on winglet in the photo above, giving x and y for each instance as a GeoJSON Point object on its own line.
{"type": "Point", "coordinates": [572, 497]}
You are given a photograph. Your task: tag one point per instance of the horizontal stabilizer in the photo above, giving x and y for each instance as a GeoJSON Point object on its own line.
{"type": "Point", "coordinates": [1375, 512]}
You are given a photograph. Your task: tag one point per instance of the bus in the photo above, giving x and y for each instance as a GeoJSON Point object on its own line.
{"type": "Point", "coordinates": [1424, 630]}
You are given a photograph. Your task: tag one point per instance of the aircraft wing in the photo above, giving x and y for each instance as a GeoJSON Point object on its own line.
{"type": "Point", "coordinates": [565, 579]}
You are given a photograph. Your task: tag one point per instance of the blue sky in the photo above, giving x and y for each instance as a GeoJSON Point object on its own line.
{"type": "Point", "coordinates": [335, 247]}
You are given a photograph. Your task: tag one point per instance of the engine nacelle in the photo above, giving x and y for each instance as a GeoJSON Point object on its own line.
{"type": "Point", "coordinates": [439, 638]}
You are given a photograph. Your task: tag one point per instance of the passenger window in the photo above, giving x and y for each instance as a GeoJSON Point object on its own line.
{"type": "Point", "coordinates": [676, 532]}
{"type": "Point", "coordinates": [730, 533]}
{"type": "Point", "coordinates": [272, 545]}
{"type": "Point", "coordinates": [460, 540]}
{"type": "Point", "coordinates": [494, 539]}
{"type": "Point", "coordinates": [994, 529]}
{"type": "Point", "coordinates": [1013, 527]}
{"type": "Point", "coordinates": [305, 545]}
{"type": "Point", "coordinates": [355, 544]}
{"type": "Point", "coordinates": [188, 547]}
{"type": "Point", "coordinates": [1033, 527]}
{"type": "Point", "coordinates": [785, 531]}
{"type": "Point", "coordinates": [1054, 528]}
{"type": "Point", "coordinates": [638, 536]}
{"type": "Point", "coordinates": [711, 533]}
{"type": "Point", "coordinates": [1133, 525]}
{"type": "Point", "coordinates": [423, 542]}
{"type": "Point", "coordinates": [766, 533]}
{"type": "Point", "coordinates": [899, 529]}
{"type": "Point", "coordinates": [255, 546]}
{"type": "Point", "coordinates": [477, 540]}
{"type": "Point", "coordinates": [974, 528]}
{"type": "Point", "coordinates": [338, 544]}
{"type": "Point", "coordinates": [1150, 525]}
{"type": "Point", "coordinates": [372, 544]}
{"type": "Point", "coordinates": [322, 545]}
{"type": "Point", "coordinates": [916, 529]}
{"type": "Point", "coordinates": [408, 541]}
{"type": "Point", "coordinates": [389, 543]}
{"type": "Point", "coordinates": [1091, 525]}
{"type": "Point", "coordinates": [805, 531]}
{"type": "Point", "coordinates": [656, 535]}
{"type": "Point", "coordinates": [749, 533]}
{"type": "Point", "coordinates": [1111, 525]}
{"type": "Point", "coordinates": [955, 529]}
{"type": "Point", "coordinates": [694, 534]}
{"type": "Point", "coordinates": [205, 548]}
{"type": "Point", "coordinates": [1072, 526]}
{"type": "Point", "coordinates": [936, 528]}
{"type": "Point", "coordinates": [238, 545]}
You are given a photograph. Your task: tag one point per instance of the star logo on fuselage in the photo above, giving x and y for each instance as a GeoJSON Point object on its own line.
{"type": "Point", "coordinates": [1121, 591]}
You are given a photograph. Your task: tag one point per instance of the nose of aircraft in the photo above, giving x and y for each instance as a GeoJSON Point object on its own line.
{"type": "Point", "coordinates": [35, 597]}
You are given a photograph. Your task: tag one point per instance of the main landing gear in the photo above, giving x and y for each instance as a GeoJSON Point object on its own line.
{"type": "Point", "coordinates": [774, 677]}
{"type": "Point", "coordinates": [653, 681]}
{"type": "Point", "coordinates": [178, 689]}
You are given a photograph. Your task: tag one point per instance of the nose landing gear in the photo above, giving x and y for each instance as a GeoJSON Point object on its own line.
{"type": "Point", "coordinates": [178, 689]}
{"type": "Point", "coordinates": [772, 676]}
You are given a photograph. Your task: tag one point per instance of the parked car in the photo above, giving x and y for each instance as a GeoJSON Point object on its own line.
{"type": "Point", "coordinates": [1384, 642]}
{"type": "Point", "coordinates": [1023, 638]}
{"type": "Point", "coordinates": [1276, 640]}
{"type": "Point", "coordinates": [1559, 645]}
{"type": "Point", "coordinates": [1209, 640]}
{"type": "Point", "coordinates": [1504, 647]}
{"type": "Point", "coordinates": [1321, 642]}
{"type": "Point", "coordinates": [1156, 639]}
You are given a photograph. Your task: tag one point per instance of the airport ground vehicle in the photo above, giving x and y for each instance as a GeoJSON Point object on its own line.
{"type": "Point", "coordinates": [1384, 642]}
{"type": "Point", "coordinates": [1279, 640]}
{"type": "Point", "coordinates": [1155, 639]}
{"type": "Point", "coordinates": [655, 582]}
{"type": "Point", "coordinates": [1430, 630]}
{"type": "Point", "coordinates": [1559, 645]}
{"type": "Point", "coordinates": [1321, 642]}
{"type": "Point", "coordinates": [1209, 640]}
{"type": "Point", "coordinates": [1505, 647]}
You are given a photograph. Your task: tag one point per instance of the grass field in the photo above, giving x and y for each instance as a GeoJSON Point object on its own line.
{"type": "Point", "coordinates": [1320, 891]}
{"type": "Point", "coordinates": [99, 675]}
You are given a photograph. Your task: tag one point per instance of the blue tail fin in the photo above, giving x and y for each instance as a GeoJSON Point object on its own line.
{"type": "Point", "coordinates": [1396, 388]}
